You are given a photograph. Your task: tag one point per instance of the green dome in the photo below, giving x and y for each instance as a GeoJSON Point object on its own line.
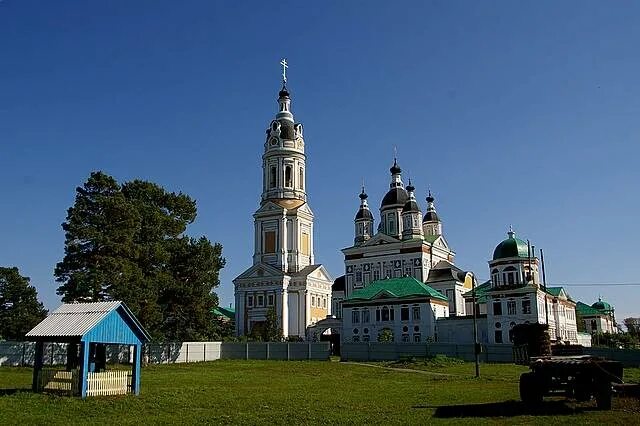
{"type": "Point", "coordinates": [602, 306]}
{"type": "Point", "coordinates": [511, 247]}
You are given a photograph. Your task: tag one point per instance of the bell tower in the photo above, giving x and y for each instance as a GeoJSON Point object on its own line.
{"type": "Point", "coordinates": [284, 221]}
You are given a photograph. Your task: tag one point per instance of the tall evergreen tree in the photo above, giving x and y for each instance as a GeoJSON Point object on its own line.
{"type": "Point", "coordinates": [20, 309]}
{"type": "Point", "coordinates": [128, 242]}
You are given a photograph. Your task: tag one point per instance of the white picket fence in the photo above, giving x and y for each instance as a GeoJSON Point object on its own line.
{"type": "Point", "coordinates": [116, 382]}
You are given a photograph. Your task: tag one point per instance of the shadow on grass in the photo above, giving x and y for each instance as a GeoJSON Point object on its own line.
{"type": "Point", "coordinates": [5, 392]}
{"type": "Point", "coordinates": [506, 409]}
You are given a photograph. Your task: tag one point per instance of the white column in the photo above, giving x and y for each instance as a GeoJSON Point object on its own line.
{"type": "Point", "coordinates": [301, 312]}
{"type": "Point", "coordinates": [240, 313]}
{"type": "Point", "coordinates": [285, 313]}
{"type": "Point", "coordinates": [307, 304]}
{"type": "Point", "coordinates": [283, 243]}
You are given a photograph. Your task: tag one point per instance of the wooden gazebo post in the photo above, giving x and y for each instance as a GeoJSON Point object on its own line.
{"type": "Point", "coordinates": [37, 365]}
{"type": "Point", "coordinates": [84, 368]}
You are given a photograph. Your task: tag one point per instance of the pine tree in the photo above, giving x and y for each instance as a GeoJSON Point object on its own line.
{"type": "Point", "coordinates": [272, 329]}
{"type": "Point", "coordinates": [20, 309]}
{"type": "Point", "coordinates": [127, 242]}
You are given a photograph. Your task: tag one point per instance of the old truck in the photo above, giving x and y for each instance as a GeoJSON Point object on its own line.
{"type": "Point", "coordinates": [581, 377]}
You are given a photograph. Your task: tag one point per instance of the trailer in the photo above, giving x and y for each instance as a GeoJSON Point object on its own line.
{"type": "Point", "coordinates": [579, 377]}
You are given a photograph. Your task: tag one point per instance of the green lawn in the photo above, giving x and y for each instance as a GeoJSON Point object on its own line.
{"type": "Point", "coordinates": [304, 392]}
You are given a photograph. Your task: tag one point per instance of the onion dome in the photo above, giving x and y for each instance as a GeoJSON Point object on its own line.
{"type": "Point", "coordinates": [603, 306]}
{"type": "Point", "coordinates": [430, 215]}
{"type": "Point", "coordinates": [284, 93]}
{"type": "Point", "coordinates": [411, 206]}
{"type": "Point", "coordinates": [364, 212]}
{"type": "Point", "coordinates": [395, 169]}
{"type": "Point", "coordinates": [395, 197]}
{"type": "Point", "coordinates": [511, 247]}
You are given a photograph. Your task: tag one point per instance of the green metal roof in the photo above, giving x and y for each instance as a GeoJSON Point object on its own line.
{"type": "Point", "coordinates": [396, 288]}
{"type": "Point", "coordinates": [602, 306]}
{"type": "Point", "coordinates": [511, 247]}
{"type": "Point", "coordinates": [224, 312]}
{"type": "Point", "coordinates": [481, 292]}
{"type": "Point", "coordinates": [586, 310]}
{"type": "Point", "coordinates": [555, 291]}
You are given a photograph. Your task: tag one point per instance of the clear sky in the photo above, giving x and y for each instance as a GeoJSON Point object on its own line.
{"type": "Point", "coordinates": [521, 113]}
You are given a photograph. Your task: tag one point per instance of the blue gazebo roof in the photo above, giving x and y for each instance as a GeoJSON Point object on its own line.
{"type": "Point", "coordinates": [103, 322]}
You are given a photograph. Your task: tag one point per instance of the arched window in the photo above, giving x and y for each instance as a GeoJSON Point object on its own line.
{"type": "Point", "coordinates": [273, 177]}
{"type": "Point", "coordinates": [287, 177]}
{"type": "Point", "coordinates": [385, 313]}
{"type": "Point", "coordinates": [301, 178]}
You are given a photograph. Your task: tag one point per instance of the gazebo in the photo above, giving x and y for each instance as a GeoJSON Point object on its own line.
{"type": "Point", "coordinates": [87, 329]}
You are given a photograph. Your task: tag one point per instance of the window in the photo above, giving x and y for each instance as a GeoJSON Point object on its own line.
{"type": "Point", "coordinates": [404, 313]}
{"type": "Point", "coordinates": [385, 313]}
{"type": "Point", "coordinates": [391, 312]}
{"type": "Point", "coordinates": [510, 279]}
{"type": "Point", "coordinates": [405, 338]}
{"type": "Point", "coordinates": [356, 339]}
{"type": "Point", "coordinates": [415, 313]}
{"type": "Point", "coordinates": [497, 308]}
{"type": "Point", "coordinates": [287, 177]}
{"type": "Point", "coordinates": [356, 331]}
{"type": "Point", "coordinates": [511, 307]}
{"type": "Point", "coordinates": [366, 338]}
{"type": "Point", "coordinates": [313, 301]}
{"type": "Point", "coordinates": [273, 176]}
{"type": "Point", "coordinates": [270, 300]}
{"type": "Point", "coordinates": [358, 276]}
{"type": "Point", "coordinates": [301, 178]}
{"type": "Point", "coordinates": [498, 336]}
{"type": "Point", "coordinates": [260, 300]}
{"type": "Point", "coordinates": [270, 242]}
{"type": "Point", "coordinates": [355, 316]}
{"type": "Point", "coordinates": [365, 316]}
{"type": "Point", "coordinates": [250, 301]}
{"type": "Point", "coordinates": [378, 315]}
{"type": "Point", "coordinates": [376, 275]}
{"type": "Point", "coordinates": [526, 306]}
{"type": "Point", "coordinates": [405, 329]}
{"type": "Point", "coordinates": [594, 325]}
{"type": "Point", "coordinates": [324, 302]}
{"type": "Point", "coordinates": [407, 271]}
{"type": "Point", "coordinates": [416, 338]}
{"type": "Point", "coordinates": [305, 247]}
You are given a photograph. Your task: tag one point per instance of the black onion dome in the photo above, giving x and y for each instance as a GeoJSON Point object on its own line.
{"type": "Point", "coordinates": [364, 214]}
{"type": "Point", "coordinates": [410, 206]}
{"type": "Point", "coordinates": [284, 93]}
{"type": "Point", "coordinates": [395, 197]}
{"type": "Point", "coordinates": [363, 195]}
{"type": "Point", "coordinates": [339, 284]}
{"type": "Point", "coordinates": [430, 198]}
{"type": "Point", "coordinates": [395, 169]}
{"type": "Point", "coordinates": [287, 131]}
{"type": "Point", "coordinates": [431, 216]}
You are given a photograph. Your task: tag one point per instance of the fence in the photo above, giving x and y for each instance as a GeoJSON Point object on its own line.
{"type": "Point", "coordinates": [115, 382]}
{"type": "Point", "coordinates": [22, 353]}
{"type": "Point", "coordinates": [374, 351]}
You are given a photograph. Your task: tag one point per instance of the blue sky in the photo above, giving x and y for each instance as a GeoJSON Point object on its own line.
{"type": "Point", "coordinates": [522, 113]}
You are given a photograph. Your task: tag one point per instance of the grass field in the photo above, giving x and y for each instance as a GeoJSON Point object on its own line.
{"type": "Point", "coordinates": [305, 392]}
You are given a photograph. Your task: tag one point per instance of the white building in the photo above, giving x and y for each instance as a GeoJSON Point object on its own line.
{"type": "Point", "coordinates": [399, 309]}
{"type": "Point", "coordinates": [284, 275]}
{"type": "Point", "coordinates": [514, 295]}
{"type": "Point", "coordinates": [597, 318]}
{"type": "Point", "coordinates": [406, 244]}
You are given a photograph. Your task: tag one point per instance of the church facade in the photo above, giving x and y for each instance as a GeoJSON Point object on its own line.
{"type": "Point", "coordinates": [406, 244]}
{"type": "Point", "coordinates": [284, 275]}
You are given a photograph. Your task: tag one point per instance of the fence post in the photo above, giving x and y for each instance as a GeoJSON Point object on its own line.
{"type": "Point", "coordinates": [187, 357]}
{"type": "Point", "coordinates": [247, 350]}
{"type": "Point", "coordinates": [52, 348]}
{"type": "Point", "coordinates": [288, 356]}
{"type": "Point", "coordinates": [23, 351]}
{"type": "Point", "coordinates": [204, 351]}
{"type": "Point", "coordinates": [267, 350]}
{"type": "Point", "coordinates": [368, 351]}
{"type": "Point", "coordinates": [309, 351]}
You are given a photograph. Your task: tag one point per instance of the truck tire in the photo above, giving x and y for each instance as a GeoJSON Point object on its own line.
{"type": "Point", "coordinates": [530, 388]}
{"type": "Point", "coordinates": [604, 394]}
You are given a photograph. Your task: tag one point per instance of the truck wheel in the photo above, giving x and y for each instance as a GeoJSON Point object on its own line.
{"type": "Point", "coordinates": [604, 395]}
{"type": "Point", "coordinates": [530, 388]}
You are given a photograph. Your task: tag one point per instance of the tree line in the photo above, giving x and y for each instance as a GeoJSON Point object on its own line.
{"type": "Point", "coordinates": [128, 242]}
